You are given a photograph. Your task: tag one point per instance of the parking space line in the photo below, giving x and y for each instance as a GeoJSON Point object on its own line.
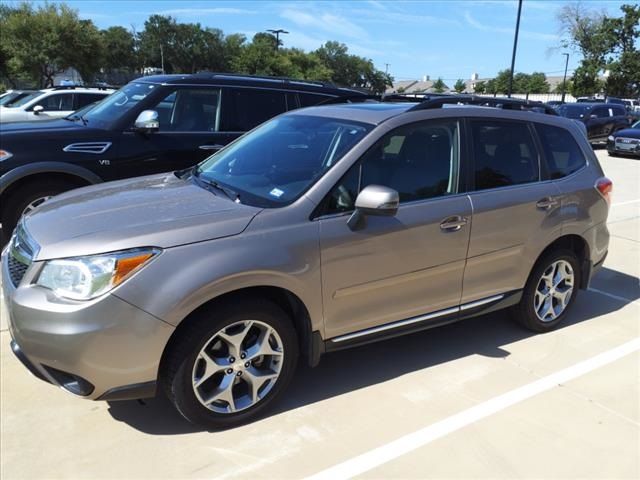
{"type": "Point", "coordinates": [615, 297]}
{"type": "Point", "coordinates": [408, 443]}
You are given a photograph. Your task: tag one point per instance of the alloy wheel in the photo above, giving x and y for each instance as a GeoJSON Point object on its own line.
{"type": "Point", "coordinates": [238, 366]}
{"type": "Point", "coordinates": [554, 291]}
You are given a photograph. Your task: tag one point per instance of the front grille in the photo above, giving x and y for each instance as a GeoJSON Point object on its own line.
{"type": "Point", "coordinates": [17, 270]}
{"type": "Point", "coordinates": [631, 141]}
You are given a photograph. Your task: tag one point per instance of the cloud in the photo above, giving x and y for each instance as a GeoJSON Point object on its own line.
{"type": "Point", "coordinates": [328, 22]}
{"type": "Point", "coordinates": [523, 33]}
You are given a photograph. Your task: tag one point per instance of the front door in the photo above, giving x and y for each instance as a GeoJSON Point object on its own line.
{"type": "Point", "coordinates": [395, 268]}
{"type": "Point", "coordinates": [189, 132]}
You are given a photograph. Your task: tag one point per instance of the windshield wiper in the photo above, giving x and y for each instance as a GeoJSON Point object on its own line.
{"type": "Point", "coordinates": [230, 193]}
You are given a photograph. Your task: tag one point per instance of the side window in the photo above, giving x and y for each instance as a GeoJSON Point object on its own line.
{"type": "Point", "coordinates": [84, 99]}
{"type": "Point", "coordinates": [311, 99]}
{"type": "Point", "coordinates": [619, 111]}
{"type": "Point", "coordinates": [189, 110]}
{"type": "Point", "coordinates": [420, 161]}
{"type": "Point", "coordinates": [245, 108]}
{"type": "Point", "coordinates": [56, 103]}
{"type": "Point", "coordinates": [504, 154]}
{"type": "Point", "coordinates": [600, 112]}
{"type": "Point", "coordinates": [561, 151]}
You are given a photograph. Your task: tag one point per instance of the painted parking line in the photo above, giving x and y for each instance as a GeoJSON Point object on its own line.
{"type": "Point", "coordinates": [408, 443]}
{"type": "Point", "coordinates": [625, 203]}
{"type": "Point", "coordinates": [615, 297]}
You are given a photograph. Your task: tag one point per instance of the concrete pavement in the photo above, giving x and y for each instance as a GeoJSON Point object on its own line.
{"type": "Point", "coordinates": [368, 398]}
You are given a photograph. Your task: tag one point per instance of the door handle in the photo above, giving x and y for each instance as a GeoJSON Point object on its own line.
{"type": "Point", "coordinates": [211, 147]}
{"type": "Point", "coordinates": [453, 224]}
{"type": "Point", "coordinates": [546, 203]}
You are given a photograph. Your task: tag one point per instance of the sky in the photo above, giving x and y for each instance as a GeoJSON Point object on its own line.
{"type": "Point", "coordinates": [448, 39]}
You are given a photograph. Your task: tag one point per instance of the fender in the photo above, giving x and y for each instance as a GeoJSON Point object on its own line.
{"type": "Point", "coordinates": [16, 174]}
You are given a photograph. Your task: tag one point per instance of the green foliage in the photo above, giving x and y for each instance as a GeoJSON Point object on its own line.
{"type": "Point", "coordinates": [605, 43]}
{"type": "Point", "coordinates": [460, 86]}
{"type": "Point", "coordinates": [439, 86]}
{"type": "Point", "coordinates": [481, 87]}
{"type": "Point", "coordinates": [39, 43]}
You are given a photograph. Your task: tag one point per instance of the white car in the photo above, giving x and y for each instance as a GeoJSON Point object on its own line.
{"type": "Point", "coordinates": [50, 103]}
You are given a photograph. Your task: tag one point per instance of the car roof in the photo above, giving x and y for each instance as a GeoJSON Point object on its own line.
{"type": "Point", "coordinates": [377, 112]}
{"type": "Point", "coordinates": [250, 81]}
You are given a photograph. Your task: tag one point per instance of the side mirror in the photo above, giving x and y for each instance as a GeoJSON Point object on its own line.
{"type": "Point", "coordinates": [37, 109]}
{"type": "Point", "coordinates": [147, 122]}
{"type": "Point", "coordinates": [374, 200]}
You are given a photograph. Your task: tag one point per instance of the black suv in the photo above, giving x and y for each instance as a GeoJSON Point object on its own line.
{"type": "Point", "coordinates": [153, 124]}
{"type": "Point", "coordinates": [601, 119]}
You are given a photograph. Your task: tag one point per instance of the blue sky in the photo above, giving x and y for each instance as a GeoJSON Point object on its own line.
{"type": "Point", "coordinates": [448, 39]}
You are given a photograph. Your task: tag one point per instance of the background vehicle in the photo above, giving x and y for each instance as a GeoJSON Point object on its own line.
{"type": "Point", "coordinates": [601, 119]}
{"type": "Point", "coordinates": [155, 124]}
{"type": "Point", "coordinates": [14, 95]}
{"type": "Point", "coordinates": [625, 141]}
{"type": "Point", "coordinates": [322, 229]}
{"type": "Point", "coordinates": [50, 103]}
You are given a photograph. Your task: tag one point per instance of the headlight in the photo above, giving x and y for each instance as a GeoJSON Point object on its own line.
{"type": "Point", "coordinates": [5, 155]}
{"type": "Point", "coordinates": [84, 278]}
{"type": "Point", "coordinates": [611, 138]}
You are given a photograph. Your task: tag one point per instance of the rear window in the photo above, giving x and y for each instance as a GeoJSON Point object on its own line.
{"type": "Point", "coordinates": [504, 154]}
{"type": "Point", "coordinates": [244, 108]}
{"type": "Point", "coordinates": [311, 99]}
{"type": "Point", "coordinates": [562, 153]}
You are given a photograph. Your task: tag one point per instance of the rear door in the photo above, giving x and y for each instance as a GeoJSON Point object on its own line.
{"type": "Point", "coordinates": [599, 123]}
{"type": "Point", "coordinates": [245, 108]}
{"type": "Point", "coordinates": [515, 210]}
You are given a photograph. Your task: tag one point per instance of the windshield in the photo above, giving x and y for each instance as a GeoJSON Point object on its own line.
{"type": "Point", "coordinates": [118, 103]}
{"type": "Point", "coordinates": [573, 111]}
{"type": "Point", "coordinates": [21, 100]}
{"type": "Point", "coordinates": [277, 162]}
{"type": "Point", "coordinates": [12, 97]}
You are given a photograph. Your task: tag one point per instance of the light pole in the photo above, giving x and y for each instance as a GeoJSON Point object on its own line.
{"type": "Point", "coordinates": [564, 80]}
{"type": "Point", "coordinates": [515, 46]}
{"type": "Point", "coordinates": [277, 34]}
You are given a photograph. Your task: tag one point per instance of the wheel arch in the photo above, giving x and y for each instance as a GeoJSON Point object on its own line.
{"type": "Point", "coordinates": [579, 246]}
{"type": "Point", "coordinates": [310, 342]}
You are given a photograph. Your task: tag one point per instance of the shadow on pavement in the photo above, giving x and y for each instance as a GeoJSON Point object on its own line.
{"type": "Point", "coordinates": [349, 370]}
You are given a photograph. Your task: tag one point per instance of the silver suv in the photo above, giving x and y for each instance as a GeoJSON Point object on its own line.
{"type": "Point", "coordinates": [322, 229]}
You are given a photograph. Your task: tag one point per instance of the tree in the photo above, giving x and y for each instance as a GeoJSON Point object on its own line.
{"type": "Point", "coordinates": [480, 87]}
{"type": "Point", "coordinates": [118, 46]}
{"type": "Point", "coordinates": [624, 72]}
{"type": "Point", "coordinates": [439, 86]}
{"type": "Point", "coordinates": [460, 86]}
{"type": "Point", "coordinates": [41, 42]}
{"type": "Point", "coordinates": [537, 83]}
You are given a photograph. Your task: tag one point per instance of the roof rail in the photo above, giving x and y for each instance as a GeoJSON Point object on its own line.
{"type": "Point", "coordinates": [267, 78]}
{"type": "Point", "coordinates": [73, 87]}
{"type": "Point", "coordinates": [431, 102]}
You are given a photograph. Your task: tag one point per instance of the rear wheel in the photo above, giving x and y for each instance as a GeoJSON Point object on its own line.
{"type": "Point", "coordinates": [231, 363]}
{"type": "Point", "coordinates": [25, 199]}
{"type": "Point", "coordinates": [550, 291]}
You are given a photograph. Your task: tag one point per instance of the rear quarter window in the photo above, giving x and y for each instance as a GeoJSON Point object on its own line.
{"type": "Point", "coordinates": [562, 153]}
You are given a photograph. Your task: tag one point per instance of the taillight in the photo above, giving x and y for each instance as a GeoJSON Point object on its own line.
{"type": "Point", "coordinates": [605, 187]}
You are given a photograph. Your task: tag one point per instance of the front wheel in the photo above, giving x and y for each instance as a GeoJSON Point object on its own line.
{"type": "Point", "coordinates": [550, 291]}
{"type": "Point", "coordinates": [231, 363]}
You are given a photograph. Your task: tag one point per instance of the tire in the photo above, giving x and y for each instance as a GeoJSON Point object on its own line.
{"type": "Point", "coordinates": [525, 311]}
{"type": "Point", "coordinates": [184, 365]}
{"type": "Point", "coordinates": [22, 197]}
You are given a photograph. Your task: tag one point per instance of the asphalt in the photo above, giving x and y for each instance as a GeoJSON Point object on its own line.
{"type": "Point", "coordinates": [482, 398]}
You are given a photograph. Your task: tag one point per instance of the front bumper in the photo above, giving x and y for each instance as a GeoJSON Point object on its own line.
{"type": "Point", "coordinates": [619, 148]}
{"type": "Point", "coordinates": [101, 349]}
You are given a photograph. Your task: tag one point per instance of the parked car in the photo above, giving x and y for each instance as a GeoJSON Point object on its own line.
{"type": "Point", "coordinates": [322, 229]}
{"type": "Point", "coordinates": [625, 142]}
{"type": "Point", "coordinates": [601, 119]}
{"type": "Point", "coordinates": [11, 96]}
{"type": "Point", "coordinates": [57, 102]}
{"type": "Point", "coordinates": [152, 125]}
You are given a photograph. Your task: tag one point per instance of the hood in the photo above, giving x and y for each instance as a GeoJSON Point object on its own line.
{"type": "Point", "coordinates": [628, 133]}
{"type": "Point", "coordinates": [40, 126]}
{"type": "Point", "coordinates": [155, 211]}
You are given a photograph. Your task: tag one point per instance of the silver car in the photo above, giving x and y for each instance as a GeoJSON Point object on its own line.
{"type": "Point", "coordinates": [322, 229]}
